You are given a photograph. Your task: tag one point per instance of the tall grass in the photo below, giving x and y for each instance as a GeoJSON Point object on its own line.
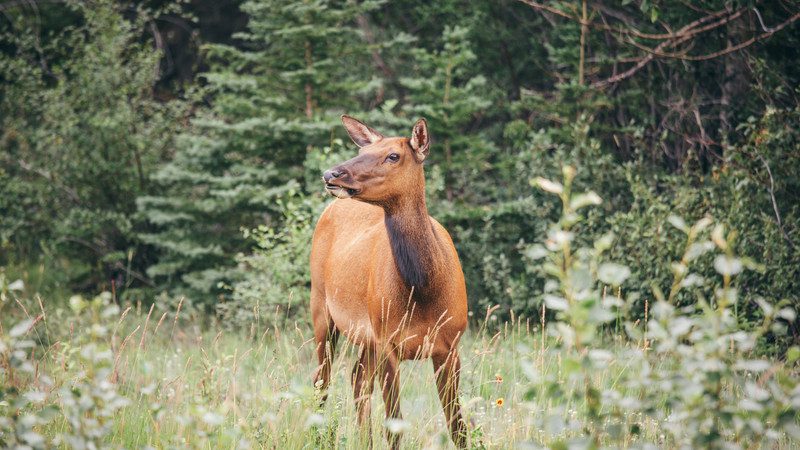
{"type": "Point", "coordinates": [210, 388]}
{"type": "Point", "coordinates": [201, 387]}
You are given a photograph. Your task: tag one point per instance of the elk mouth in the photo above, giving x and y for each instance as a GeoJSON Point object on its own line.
{"type": "Point", "coordinates": [341, 191]}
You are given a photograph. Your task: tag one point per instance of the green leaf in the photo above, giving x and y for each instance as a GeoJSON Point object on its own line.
{"type": "Point", "coordinates": [678, 223]}
{"type": "Point", "coordinates": [21, 328]}
{"type": "Point", "coordinates": [613, 274]}
{"type": "Point", "coordinates": [535, 252]}
{"type": "Point", "coordinates": [581, 279]}
{"type": "Point", "coordinates": [753, 365]}
{"type": "Point", "coordinates": [555, 303]}
{"type": "Point", "coordinates": [17, 285]}
{"type": "Point", "coordinates": [727, 265]}
{"type": "Point", "coordinates": [787, 314]}
{"type": "Point", "coordinates": [698, 249]}
{"type": "Point", "coordinates": [396, 426]}
{"type": "Point", "coordinates": [701, 224]}
{"type": "Point", "coordinates": [793, 354]}
{"type": "Point", "coordinates": [765, 306]}
{"type": "Point", "coordinates": [604, 243]}
{"type": "Point", "coordinates": [581, 200]}
{"type": "Point", "coordinates": [77, 303]}
{"type": "Point", "coordinates": [547, 185]}
{"type": "Point", "coordinates": [718, 236]}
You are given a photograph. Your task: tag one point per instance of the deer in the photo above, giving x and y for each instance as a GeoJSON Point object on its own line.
{"type": "Point", "coordinates": [387, 276]}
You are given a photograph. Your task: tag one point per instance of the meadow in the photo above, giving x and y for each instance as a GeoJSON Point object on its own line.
{"type": "Point", "coordinates": [128, 379]}
{"type": "Point", "coordinates": [177, 385]}
{"type": "Point", "coordinates": [210, 388]}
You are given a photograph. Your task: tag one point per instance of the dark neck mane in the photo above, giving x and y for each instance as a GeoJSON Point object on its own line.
{"type": "Point", "coordinates": [415, 245]}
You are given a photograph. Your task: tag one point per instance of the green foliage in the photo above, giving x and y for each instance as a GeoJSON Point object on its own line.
{"type": "Point", "coordinates": [120, 376]}
{"type": "Point", "coordinates": [272, 282]}
{"type": "Point", "coordinates": [276, 274]}
{"type": "Point", "coordinates": [275, 101]}
{"type": "Point", "coordinates": [712, 392]}
{"type": "Point", "coordinates": [83, 409]}
{"type": "Point", "coordinates": [449, 93]}
{"type": "Point", "coordinates": [81, 133]}
{"type": "Point", "coordinates": [104, 177]}
{"type": "Point", "coordinates": [674, 328]}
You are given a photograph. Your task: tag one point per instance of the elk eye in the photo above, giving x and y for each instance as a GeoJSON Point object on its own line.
{"type": "Point", "coordinates": [393, 157]}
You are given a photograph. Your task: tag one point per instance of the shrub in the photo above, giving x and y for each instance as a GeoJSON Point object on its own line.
{"type": "Point", "coordinates": [693, 373]}
{"type": "Point", "coordinates": [275, 279]}
{"type": "Point", "coordinates": [82, 408]}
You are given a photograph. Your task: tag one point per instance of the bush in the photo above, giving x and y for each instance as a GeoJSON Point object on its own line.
{"type": "Point", "coordinates": [84, 408]}
{"type": "Point", "coordinates": [711, 392]}
{"type": "Point", "coordinates": [275, 278]}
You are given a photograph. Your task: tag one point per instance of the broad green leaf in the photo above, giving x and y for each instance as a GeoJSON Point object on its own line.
{"type": "Point", "coordinates": [555, 303]}
{"type": "Point", "coordinates": [765, 306]}
{"type": "Point", "coordinates": [793, 354]}
{"type": "Point", "coordinates": [547, 185]}
{"type": "Point", "coordinates": [604, 243]}
{"type": "Point", "coordinates": [727, 265]}
{"type": "Point", "coordinates": [613, 274]}
{"type": "Point", "coordinates": [698, 249]}
{"type": "Point", "coordinates": [535, 252]}
{"type": "Point", "coordinates": [21, 328]}
{"type": "Point", "coordinates": [581, 200]}
{"type": "Point", "coordinates": [17, 285]}
{"type": "Point", "coordinates": [77, 303]}
{"type": "Point", "coordinates": [753, 365]}
{"type": "Point", "coordinates": [396, 426]}
{"type": "Point", "coordinates": [678, 223]}
{"type": "Point", "coordinates": [787, 314]}
{"type": "Point", "coordinates": [718, 237]}
{"type": "Point", "coordinates": [701, 224]}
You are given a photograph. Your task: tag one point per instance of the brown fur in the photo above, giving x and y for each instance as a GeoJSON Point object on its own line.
{"type": "Point", "coordinates": [386, 275]}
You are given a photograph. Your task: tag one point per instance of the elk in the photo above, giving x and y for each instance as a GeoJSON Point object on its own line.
{"type": "Point", "coordinates": [387, 276]}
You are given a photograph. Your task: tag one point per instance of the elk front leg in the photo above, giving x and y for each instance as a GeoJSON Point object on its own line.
{"type": "Point", "coordinates": [363, 384]}
{"type": "Point", "coordinates": [325, 336]}
{"type": "Point", "coordinates": [390, 381]}
{"type": "Point", "coordinates": [447, 369]}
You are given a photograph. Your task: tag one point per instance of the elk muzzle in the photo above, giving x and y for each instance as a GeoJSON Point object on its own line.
{"type": "Point", "coordinates": [339, 182]}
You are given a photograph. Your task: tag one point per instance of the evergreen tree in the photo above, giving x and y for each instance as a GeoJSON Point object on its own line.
{"type": "Point", "coordinates": [303, 63]}
{"type": "Point", "coordinates": [446, 91]}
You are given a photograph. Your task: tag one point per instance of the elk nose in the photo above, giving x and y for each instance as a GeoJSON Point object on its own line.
{"type": "Point", "coordinates": [331, 174]}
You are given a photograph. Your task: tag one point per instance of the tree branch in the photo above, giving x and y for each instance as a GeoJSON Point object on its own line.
{"type": "Point", "coordinates": [686, 33]}
{"type": "Point", "coordinates": [550, 9]}
{"type": "Point", "coordinates": [670, 40]}
{"type": "Point", "coordinates": [730, 48]}
{"type": "Point", "coordinates": [774, 202]}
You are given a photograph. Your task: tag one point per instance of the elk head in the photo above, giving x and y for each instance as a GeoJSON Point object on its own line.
{"type": "Point", "coordinates": [385, 170]}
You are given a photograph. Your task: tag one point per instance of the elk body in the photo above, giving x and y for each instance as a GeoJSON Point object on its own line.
{"type": "Point", "coordinates": [386, 275]}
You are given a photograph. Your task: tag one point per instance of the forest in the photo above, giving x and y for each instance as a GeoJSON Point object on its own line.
{"type": "Point", "coordinates": [621, 180]}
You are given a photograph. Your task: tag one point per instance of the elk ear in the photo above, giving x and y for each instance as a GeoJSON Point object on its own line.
{"type": "Point", "coordinates": [420, 139]}
{"type": "Point", "coordinates": [360, 133]}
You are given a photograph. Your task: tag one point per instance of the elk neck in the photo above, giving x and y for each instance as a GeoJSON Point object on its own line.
{"type": "Point", "coordinates": [416, 248]}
